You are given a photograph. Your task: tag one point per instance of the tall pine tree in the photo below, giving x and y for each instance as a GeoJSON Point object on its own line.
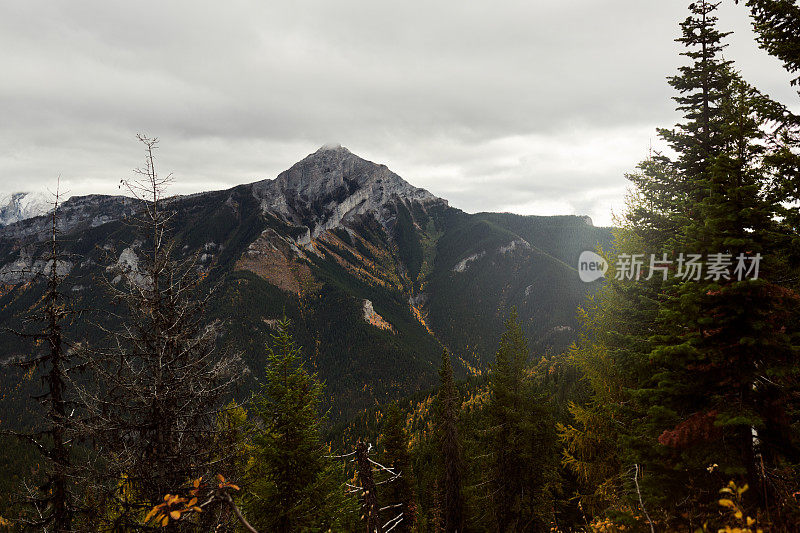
{"type": "Point", "coordinates": [522, 439]}
{"type": "Point", "coordinates": [295, 486]}
{"type": "Point", "coordinates": [777, 23]}
{"type": "Point", "coordinates": [452, 499]}
{"type": "Point", "coordinates": [723, 350]}
{"type": "Point", "coordinates": [693, 380]}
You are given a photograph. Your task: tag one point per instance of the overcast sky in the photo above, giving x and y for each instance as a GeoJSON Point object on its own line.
{"type": "Point", "coordinates": [529, 107]}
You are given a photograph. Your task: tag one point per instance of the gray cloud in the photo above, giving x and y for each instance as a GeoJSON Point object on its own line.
{"type": "Point", "coordinates": [495, 106]}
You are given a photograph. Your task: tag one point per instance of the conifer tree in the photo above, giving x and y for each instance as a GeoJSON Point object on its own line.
{"type": "Point", "coordinates": [401, 490]}
{"type": "Point", "coordinates": [613, 347]}
{"type": "Point", "coordinates": [295, 485]}
{"type": "Point", "coordinates": [723, 345]}
{"type": "Point", "coordinates": [452, 499]}
{"type": "Point", "coordinates": [777, 23]}
{"type": "Point", "coordinates": [522, 439]}
{"type": "Point", "coordinates": [692, 379]}
{"type": "Point", "coordinates": [700, 87]}
{"type": "Point", "coordinates": [612, 355]}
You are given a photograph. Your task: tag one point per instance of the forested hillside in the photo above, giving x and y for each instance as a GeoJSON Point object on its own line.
{"type": "Point", "coordinates": [401, 255]}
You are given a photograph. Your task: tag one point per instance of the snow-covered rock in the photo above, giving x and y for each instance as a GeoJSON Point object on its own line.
{"type": "Point", "coordinates": [22, 205]}
{"type": "Point", "coordinates": [76, 213]}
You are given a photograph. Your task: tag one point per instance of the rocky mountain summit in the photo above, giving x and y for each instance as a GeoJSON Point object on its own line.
{"type": "Point", "coordinates": [333, 186]}
{"type": "Point", "coordinates": [325, 190]}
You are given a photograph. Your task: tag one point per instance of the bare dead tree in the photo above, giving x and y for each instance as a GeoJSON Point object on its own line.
{"type": "Point", "coordinates": [160, 382]}
{"type": "Point", "coordinates": [398, 494]}
{"type": "Point", "coordinates": [365, 470]}
{"type": "Point", "coordinates": [370, 507]}
{"type": "Point", "coordinates": [52, 500]}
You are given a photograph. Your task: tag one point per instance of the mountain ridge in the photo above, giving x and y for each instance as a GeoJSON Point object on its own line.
{"type": "Point", "coordinates": [311, 183]}
{"type": "Point", "coordinates": [376, 275]}
{"type": "Point", "coordinates": [285, 194]}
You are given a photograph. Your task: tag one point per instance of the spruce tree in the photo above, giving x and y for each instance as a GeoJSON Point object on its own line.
{"type": "Point", "coordinates": [522, 439]}
{"type": "Point", "coordinates": [700, 87]}
{"type": "Point", "coordinates": [722, 352]}
{"type": "Point", "coordinates": [692, 380]}
{"type": "Point", "coordinates": [452, 499]}
{"type": "Point", "coordinates": [295, 485]}
{"type": "Point", "coordinates": [614, 344]}
{"type": "Point", "coordinates": [777, 23]}
{"type": "Point", "coordinates": [612, 356]}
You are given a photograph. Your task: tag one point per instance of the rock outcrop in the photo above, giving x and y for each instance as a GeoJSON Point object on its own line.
{"type": "Point", "coordinates": [374, 318]}
{"type": "Point", "coordinates": [276, 259]}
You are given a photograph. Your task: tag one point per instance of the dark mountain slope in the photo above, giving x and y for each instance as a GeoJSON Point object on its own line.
{"type": "Point", "coordinates": [375, 273]}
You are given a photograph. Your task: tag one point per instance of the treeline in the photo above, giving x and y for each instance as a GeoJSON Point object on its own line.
{"type": "Point", "coordinates": [692, 377]}
{"type": "Point", "coordinates": [677, 409]}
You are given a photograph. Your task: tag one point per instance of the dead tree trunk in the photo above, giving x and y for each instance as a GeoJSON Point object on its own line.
{"type": "Point", "coordinates": [52, 500]}
{"type": "Point", "coordinates": [56, 383]}
{"type": "Point", "coordinates": [160, 379]}
{"type": "Point", "coordinates": [370, 508]}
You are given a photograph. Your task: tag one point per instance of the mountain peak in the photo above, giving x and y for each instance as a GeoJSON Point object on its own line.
{"type": "Point", "coordinates": [22, 205]}
{"type": "Point", "coordinates": [332, 186]}
{"type": "Point", "coordinates": [326, 155]}
{"type": "Point", "coordinates": [332, 147]}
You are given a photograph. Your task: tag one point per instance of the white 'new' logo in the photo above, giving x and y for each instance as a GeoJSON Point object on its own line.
{"type": "Point", "coordinates": [591, 266]}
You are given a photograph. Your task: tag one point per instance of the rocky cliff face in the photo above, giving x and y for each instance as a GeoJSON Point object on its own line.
{"type": "Point", "coordinates": [332, 186]}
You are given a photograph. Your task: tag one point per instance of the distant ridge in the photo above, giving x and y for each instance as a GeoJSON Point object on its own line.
{"type": "Point", "coordinates": [22, 205]}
